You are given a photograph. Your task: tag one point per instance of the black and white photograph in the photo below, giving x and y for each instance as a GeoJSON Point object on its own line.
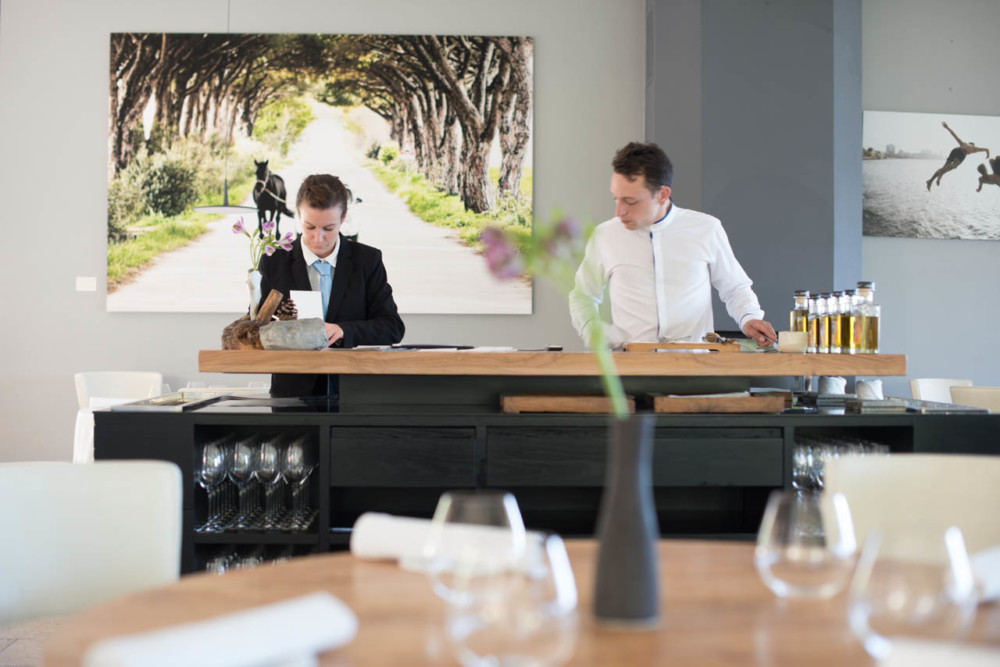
{"type": "Point", "coordinates": [931, 175]}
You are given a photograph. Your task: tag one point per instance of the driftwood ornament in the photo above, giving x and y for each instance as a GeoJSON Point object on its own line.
{"type": "Point", "coordinates": [244, 333]}
{"type": "Point", "coordinates": [307, 334]}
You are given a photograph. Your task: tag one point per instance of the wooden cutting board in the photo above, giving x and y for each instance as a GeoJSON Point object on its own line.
{"type": "Point", "coordinates": [518, 403]}
{"type": "Point", "coordinates": [717, 404]}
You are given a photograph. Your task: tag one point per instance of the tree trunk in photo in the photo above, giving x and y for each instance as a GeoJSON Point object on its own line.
{"type": "Point", "coordinates": [515, 128]}
{"type": "Point", "coordinates": [452, 157]}
{"type": "Point", "coordinates": [477, 194]}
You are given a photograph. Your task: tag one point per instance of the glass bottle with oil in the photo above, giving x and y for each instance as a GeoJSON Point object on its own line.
{"type": "Point", "coordinates": [846, 308]}
{"type": "Point", "coordinates": [823, 323]}
{"type": "Point", "coordinates": [865, 297]}
{"type": "Point", "coordinates": [833, 308]}
{"type": "Point", "coordinates": [871, 315]}
{"type": "Point", "coordinates": [813, 328]}
{"type": "Point", "coordinates": [798, 318]}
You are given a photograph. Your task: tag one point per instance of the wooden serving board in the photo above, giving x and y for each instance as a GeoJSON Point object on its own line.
{"type": "Point", "coordinates": [649, 347]}
{"type": "Point", "coordinates": [708, 404]}
{"type": "Point", "coordinates": [518, 403]}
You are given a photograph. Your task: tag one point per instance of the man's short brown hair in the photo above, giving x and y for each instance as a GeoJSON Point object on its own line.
{"type": "Point", "coordinates": [648, 160]}
{"type": "Point", "coordinates": [321, 192]}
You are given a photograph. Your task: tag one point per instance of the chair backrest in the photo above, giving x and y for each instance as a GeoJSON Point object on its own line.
{"type": "Point", "coordinates": [76, 535]}
{"type": "Point", "coordinates": [116, 384]}
{"type": "Point", "coordinates": [922, 494]}
{"type": "Point", "coordinates": [977, 397]}
{"type": "Point", "coordinates": [935, 389]}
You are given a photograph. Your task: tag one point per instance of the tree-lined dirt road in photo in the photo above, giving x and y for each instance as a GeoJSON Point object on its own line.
{"type": "Point", "coordinates": [429, 268]}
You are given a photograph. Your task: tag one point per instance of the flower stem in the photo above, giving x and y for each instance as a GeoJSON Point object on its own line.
{"type": "Point", "coordinates": [609, 374]}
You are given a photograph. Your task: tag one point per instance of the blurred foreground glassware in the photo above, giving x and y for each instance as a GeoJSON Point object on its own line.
{"type": "Point", "coordinates": [911, 586]}
{"type": "Point", "coordinates": [523, 614]}
{"type": "Point", "coordinates": [472, 534]}
{"type": "Point", "coordinates": [806, 545]}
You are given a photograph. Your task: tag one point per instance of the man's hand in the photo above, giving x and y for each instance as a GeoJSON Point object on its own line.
{"type": "Point", "coordinates": [335, 333]}
{"type": "Point", "coordinates": [760, 331]}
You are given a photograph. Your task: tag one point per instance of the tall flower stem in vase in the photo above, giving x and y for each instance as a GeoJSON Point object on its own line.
{"type": "Point", "coordinates": [260, 245]}
{"type": "Point", "coordinates": [626, 590]}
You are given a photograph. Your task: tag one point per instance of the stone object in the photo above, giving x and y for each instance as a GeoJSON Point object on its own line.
{"type": "Point", "coordinates": [294, 335]}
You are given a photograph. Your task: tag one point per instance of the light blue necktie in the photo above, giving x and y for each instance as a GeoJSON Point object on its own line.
{"type": "Point", "coordinates": [325, 282]}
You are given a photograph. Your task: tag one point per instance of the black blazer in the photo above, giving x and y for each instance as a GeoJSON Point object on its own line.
{"type": "Point", "coordinates": [360, 302]}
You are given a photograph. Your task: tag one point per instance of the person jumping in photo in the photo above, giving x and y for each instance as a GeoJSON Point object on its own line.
{"type": "Point", "coordinates": [989, 179]}
{"type": "Point", "coordinates": [955, 157]}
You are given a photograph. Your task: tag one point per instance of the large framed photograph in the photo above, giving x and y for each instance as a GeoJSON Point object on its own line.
{"type": "Point", "coordinates": [432, 134]}
{"type": "Point", "coordinates": [931, 175]}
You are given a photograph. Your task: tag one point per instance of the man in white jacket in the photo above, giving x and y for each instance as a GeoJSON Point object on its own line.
{"type": "Point", "coordinates": [660, 263]}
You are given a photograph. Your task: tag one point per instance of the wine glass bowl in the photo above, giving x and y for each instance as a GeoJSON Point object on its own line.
{"type": "Point", "coordinates": [805, 546]}
{"type": "Point", "coordinates": [911, 586]}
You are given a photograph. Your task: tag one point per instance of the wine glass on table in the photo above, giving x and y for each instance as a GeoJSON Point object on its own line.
{"type": "Point", "coordinates": [806, 546]}
{"type": "Point", "coordinates": [912, 587]}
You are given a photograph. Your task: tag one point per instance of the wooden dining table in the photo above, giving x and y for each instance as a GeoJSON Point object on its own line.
{"type": "Point", "coordinates": [714, 611]}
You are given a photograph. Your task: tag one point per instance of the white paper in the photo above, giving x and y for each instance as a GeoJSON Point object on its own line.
{"type": "Point", "coordinates": [309, 304]}
{"type": "Point", "coordinates": [272, 634]}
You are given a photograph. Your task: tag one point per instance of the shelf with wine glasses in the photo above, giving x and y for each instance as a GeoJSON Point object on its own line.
{"type": "Point", "coordinates": [711, 473]}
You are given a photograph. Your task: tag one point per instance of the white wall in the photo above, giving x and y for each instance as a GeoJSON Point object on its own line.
{"type": "Point", "coordinates": [939, 297]}
{"type": "Point", "coordinates": [589, 64]}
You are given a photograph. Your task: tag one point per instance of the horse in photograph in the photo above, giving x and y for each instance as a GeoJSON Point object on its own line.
{"type": "Point", "coordinates": [269, 194]}
{"type": "Point", "coordinates": [987, 178]}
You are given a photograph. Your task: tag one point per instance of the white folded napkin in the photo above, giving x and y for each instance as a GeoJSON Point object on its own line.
{"type": "Point", "coordinates": [986, 566]}
{"type": "Point", "coordinates": [277, 633]}
{"type": "Point", "coordinates": [387, 537]}
{"type": "Point", "coordinates": [869, 390]}
{"type": "Point", "coordinates": [926, 653]}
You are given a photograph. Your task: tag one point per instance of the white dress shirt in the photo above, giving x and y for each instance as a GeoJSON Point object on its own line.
{"type": "Point", "coordinates": [660, 279]}
{"type": "Point", "coordinates": [310, 258]}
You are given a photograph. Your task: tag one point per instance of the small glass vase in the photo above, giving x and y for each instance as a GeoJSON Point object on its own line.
{"type": "Point", "coordinates": [253, 284]}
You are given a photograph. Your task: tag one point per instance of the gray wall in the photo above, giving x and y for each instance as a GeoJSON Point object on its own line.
{"type": "Point", "coordinates": [939, 297]}
{"type": "Point", "coordinates": [589, 87]}
{"type": "Point", "coordinates": [759, 104]}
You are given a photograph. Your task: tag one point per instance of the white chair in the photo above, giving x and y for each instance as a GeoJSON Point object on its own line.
{"type": "Point", "coordinates": [79, 535]}
{"type": "Point", "coordinates": [921, 494]}
{"type": "Point", "coordinates": [102, 389]}
{"type": "Point", "coordinates": [977, 397]}
{"type": "Point", "coordinates": [935, 389]}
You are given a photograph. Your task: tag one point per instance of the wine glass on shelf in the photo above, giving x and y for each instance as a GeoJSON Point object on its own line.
{"type": "Point", "coordinates": [269, 475]}
{"type": "Point", "coordinates": [242, 468]}
{"type": "Point", "coordinates": [912, 586]}
{"type": "Point", "coordinates": [296, 467]}
{"type": "Point", "coordinates": [211, 470]}
{"type": "Point", "coordinates": [806, 546]}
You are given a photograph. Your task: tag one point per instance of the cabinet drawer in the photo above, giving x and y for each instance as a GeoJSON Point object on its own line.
{"type": "Point", "coordinates": [681, 457]}
{"type": "Point", "coordinates": [401, 457]}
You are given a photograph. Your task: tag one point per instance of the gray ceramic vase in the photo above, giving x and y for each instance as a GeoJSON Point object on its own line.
{"type": "Point", "coordinates": [627, 588]}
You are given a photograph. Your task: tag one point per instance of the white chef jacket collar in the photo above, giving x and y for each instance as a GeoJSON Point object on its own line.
{"type": "Point", "coordinates": [662, 223]}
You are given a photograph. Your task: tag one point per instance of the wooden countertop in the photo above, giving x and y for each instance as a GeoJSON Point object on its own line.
{"type": "Point", "coordinates": [630, 364]}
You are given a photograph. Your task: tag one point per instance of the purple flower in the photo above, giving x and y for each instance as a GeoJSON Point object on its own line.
{"type": "Point", "coordinates": [269, 250]}
{"type": "Point", "coordinates": [501, 255]}
{"type": "Point", "coordinates": [268, 227]}
{"type": "Point", "coordinates": [238, 227]}
{"type": "Point", "coordinates": [566, 239]}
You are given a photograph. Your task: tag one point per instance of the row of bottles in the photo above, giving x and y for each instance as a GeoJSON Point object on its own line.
{"type": "Point", "coordinates": [839, 322]}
